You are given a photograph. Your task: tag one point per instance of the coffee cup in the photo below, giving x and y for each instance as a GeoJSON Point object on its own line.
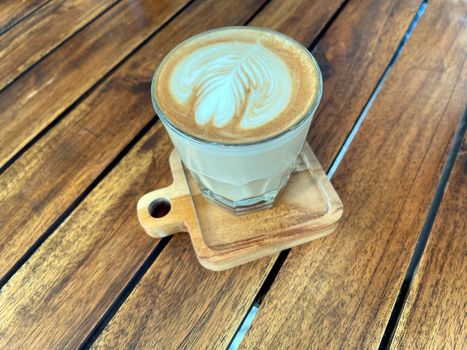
{"type": "Point", "coordinates": [237, 103]}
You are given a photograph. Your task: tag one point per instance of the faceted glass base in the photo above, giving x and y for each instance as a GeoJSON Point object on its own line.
{"type": "Point", "coordinates": [247, 205]}
{"type": "Point", "coordinates": [242, 206]}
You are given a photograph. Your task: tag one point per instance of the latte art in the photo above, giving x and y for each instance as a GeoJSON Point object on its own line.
{"type": "Point", "coordinates": [228, 80]}
{"type": "Point", "coordinates": [236, 85]}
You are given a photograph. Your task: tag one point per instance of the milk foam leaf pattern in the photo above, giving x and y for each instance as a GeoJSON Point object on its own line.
{"type": "Point", "coordinates": [235, 82]}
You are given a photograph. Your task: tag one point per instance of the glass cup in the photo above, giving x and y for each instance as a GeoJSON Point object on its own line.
{"type": "Point", "coordinates": [241, 177]}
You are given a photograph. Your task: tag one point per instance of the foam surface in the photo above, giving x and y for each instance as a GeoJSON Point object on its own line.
{"type": "Point", "coordinates": [236, 85]}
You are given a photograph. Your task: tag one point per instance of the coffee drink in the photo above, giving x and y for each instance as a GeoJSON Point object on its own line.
{"type": "Point", "coordinates": [236, 85]}
{"type": "Point", "coordinates": [237, 103]}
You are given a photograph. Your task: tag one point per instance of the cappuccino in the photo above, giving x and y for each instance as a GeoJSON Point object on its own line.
{"type": "Point", "coordinates": [237, 103]}
{"type": "Point", "coordinates": [236, 85]}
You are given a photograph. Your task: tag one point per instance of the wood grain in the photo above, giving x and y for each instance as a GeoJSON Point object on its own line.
{"type": "Point", "coordinates": [307, 208]}
{"type": "Point", "coordinates": [59, 295]}
{"type": "Point", "coordinates": [338, 292]}
{"type": "Point", "coordinates": [210, 306]}
{"type": "Point", "coordinates": [434, 314]}
{"type": "Point", "coordinates": [149, 319]}
{"type": "Point", "coordinates": [12, 11]}
{"type": "Point", "coordinates": [352, 61]}
{"type": "Point", "coordinates": [56, 299]}
{"type": "Point", "coordinates": [35, 36]}
{"type": "Point", "coordinates": [79, 148]}
{"type": "Point", "coordinates": [35, 99]}
{"type": "Point", "coordinates": [302, 20]}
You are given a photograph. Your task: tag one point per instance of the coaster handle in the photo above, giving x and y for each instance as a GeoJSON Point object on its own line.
{"type": "Point", "coordinates": [170, 209]}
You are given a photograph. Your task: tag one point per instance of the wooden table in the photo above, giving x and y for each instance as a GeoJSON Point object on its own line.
{"type": "Point", "coordinates": [79, 144]}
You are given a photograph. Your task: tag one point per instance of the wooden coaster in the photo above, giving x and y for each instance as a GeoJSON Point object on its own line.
{"type": "Point", "coordinates": [307, 208]}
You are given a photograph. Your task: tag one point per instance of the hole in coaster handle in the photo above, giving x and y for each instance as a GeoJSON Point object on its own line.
{"type": "Point", "coordinates": [170, 209]}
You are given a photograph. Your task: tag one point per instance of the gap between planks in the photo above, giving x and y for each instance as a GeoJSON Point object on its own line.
{"type": "Point", "coordinates": [86, 93]}
{"type": "Point", "coordinates": [120, 299]}
{"type": "Point", "coordinates": [9, 25]}
{"type": "Point", "coordinates": [237, 338]}
{"type": "Point", "coordinates": [68, 211]}
{"type": "Point", "coordinates": [424, 235]}
{"type": "Point", "coordinates": [58, 45]}
{"type": "Point", "coordinates": [283, 255]}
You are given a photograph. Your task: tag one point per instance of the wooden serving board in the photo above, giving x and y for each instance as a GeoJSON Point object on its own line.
{"type": "Point", "coordinates": [307, 208]}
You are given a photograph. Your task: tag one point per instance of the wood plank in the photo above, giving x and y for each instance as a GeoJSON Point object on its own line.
{"type": "Point", "coordinates": [37, 98]}
{"type": "Point", "coordinates": [33, 38]}
{"type": "Point", "coordinates": [210, 306]}
{"type": "Point", "coordinates": [62, 291]}
{"type": "Point", "coordinates": [339, 291]}
{"type": "Point", "coordinates": [12, 11]}
{"type": "Point", "coordinates": [434, 314]}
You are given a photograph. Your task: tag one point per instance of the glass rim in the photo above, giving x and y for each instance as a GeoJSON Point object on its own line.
{"type": "Point", "coordinates": [303, 119]}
